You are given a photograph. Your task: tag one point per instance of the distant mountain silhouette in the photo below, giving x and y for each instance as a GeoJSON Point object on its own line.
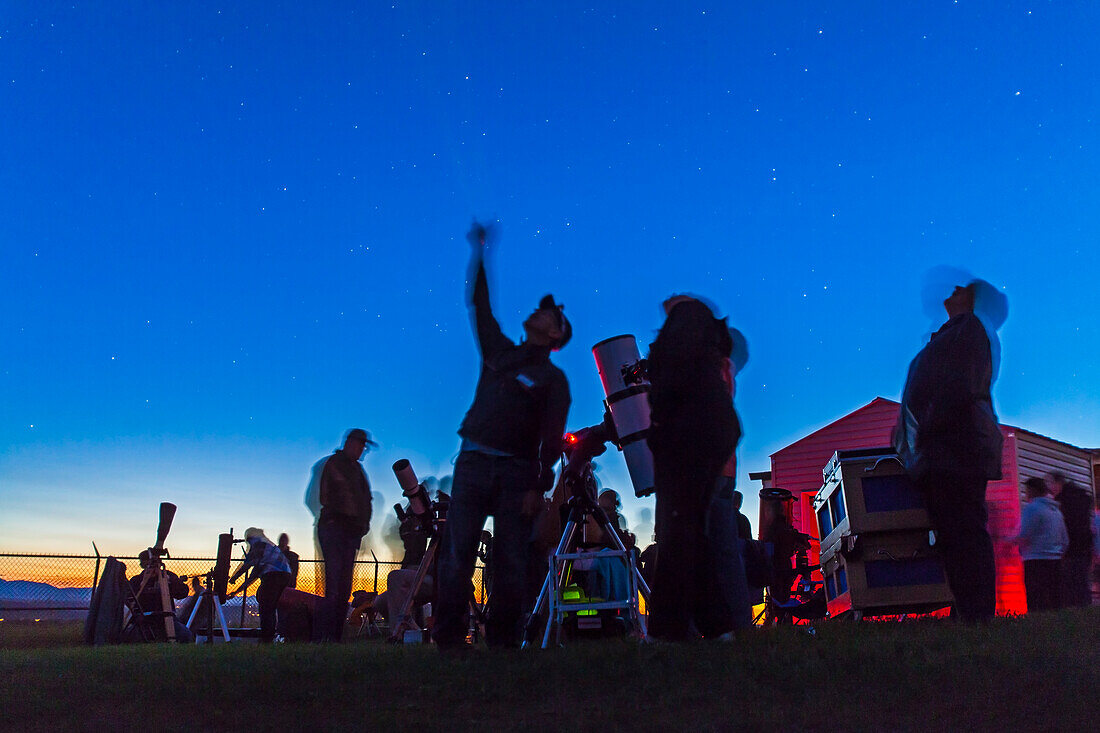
{"type": "Point", "coordinates": [29, 590]}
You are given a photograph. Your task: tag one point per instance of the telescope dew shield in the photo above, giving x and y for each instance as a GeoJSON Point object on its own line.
{"type": "Point", "coordinates": [419, 501]}
{"type": "Point", "coordinates": [626, 390]}
{"type": "Point", "coordinates": [167, 514]}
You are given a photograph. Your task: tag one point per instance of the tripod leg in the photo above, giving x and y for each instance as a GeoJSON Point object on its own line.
{"type": "Point", "coordinates": [404, 617]}
{"type": "Point", "coordinates": [167, 607]}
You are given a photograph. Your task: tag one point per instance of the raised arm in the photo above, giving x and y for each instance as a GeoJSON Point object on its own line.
{"type": "Point", "coordinates": [490, 338]}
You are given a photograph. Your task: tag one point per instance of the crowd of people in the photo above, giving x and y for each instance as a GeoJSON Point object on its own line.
{"type": "Point", "coordinates": [947, 437]}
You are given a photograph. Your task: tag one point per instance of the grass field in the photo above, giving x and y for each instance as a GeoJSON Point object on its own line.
{"type": "Point", "coordinates": [1035, 673]}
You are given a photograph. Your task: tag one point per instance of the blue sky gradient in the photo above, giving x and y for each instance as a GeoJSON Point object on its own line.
{"type": "Point", "coordinates": [230, 232]}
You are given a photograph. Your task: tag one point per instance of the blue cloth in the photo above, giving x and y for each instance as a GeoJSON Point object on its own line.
{"type": "Point", "coordinates": [608, 578]}
{"type": "Point", "coordinates": [1042, 530]}
{"type": "Point", "coordinates": [484, 486]}
{"type": "Point", "coordinates": [265, 557]}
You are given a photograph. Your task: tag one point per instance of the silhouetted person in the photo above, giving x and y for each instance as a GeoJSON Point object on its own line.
{"type": "Point", "coordinates": [511, 439]}
{"type": "Point", "coordinates": [150, 601]}
{"type": "Point", "coordinates": [949, 440]}
{"type": "Point", "coordinates": [693, 434]}
{"type": "Point", "coordinates": [291, 558]}
{"type": "Point", "coordinates": [1076, 505]}
{"type": "Point", "coordinates": [1042, 540]}
{"type": "Point", "coordinates": [267, 563]}
{"type": "Point", "coordinates": [744, 526]}
{"type": "Point", "coordinates": [345, 517]}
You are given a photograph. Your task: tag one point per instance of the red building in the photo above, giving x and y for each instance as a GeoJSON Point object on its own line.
{"type": "Point", "coordinates": [797, 468]}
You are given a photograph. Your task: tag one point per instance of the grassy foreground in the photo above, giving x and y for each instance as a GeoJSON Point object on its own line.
{"type": "Point", "coordinates": [1036, 673]}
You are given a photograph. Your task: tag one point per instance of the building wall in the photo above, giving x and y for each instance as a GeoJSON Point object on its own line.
{"type": "Point", "coordinates": [797, 467]}
{"type": "Point", "coordinates": [1039, 455]}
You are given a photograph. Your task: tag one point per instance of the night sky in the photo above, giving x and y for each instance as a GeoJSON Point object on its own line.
{"type": "Point", "coordinates": [228, 233]}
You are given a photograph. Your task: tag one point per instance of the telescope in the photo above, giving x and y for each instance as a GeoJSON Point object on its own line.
{"type": "Point", "coordinates": [167, 514]}
{"type": "Point", "coordinates": [419, 501]}
{"type": "Point", "coordinates": [626, 419]}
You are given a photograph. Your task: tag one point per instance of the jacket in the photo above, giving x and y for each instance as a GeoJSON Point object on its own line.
{"type": "Point", "coordinates": [946, 424]}
{"type": "Point", "coordinates": [1076, 505]}
{"type": "Point", "coordinates": [345, 492]}
{"type": "Point", "coordinates": [1042, 531]}
{"type": "Point", "coordinates": [522, 399]}
{"type": "Point", "coordinates": [688, 367]}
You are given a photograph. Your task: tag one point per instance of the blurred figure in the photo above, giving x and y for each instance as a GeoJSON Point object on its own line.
{"type": "Point", "coordinates": [1076, 506]}
{"type": "Point", "coordinates": [269, 565]}
{"type": "Point", "coordinates": [344, 519]}
{"type": "Point", "coordinates": [511, 439]}
{"type": "Point", "coordinates": [948, 438]}
{"type": "Point", "coordinates": [723, 532]}
{"type": "Point", "coordinates": [1042, 541]}
{"type": "Point", "coordinates": [693, 433]}
{"type": "Point", "coordinates": [291, 558]}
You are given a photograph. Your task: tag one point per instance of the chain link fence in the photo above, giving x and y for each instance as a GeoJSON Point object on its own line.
{"type": "Point", "coordinates": [59, 587]}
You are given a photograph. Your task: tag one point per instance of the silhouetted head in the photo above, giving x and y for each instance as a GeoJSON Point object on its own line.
{"type": "Point", "coordinates": [1057, 482]}
{"type": "Point", "coordinates": [960, 301]}
{"type": "Point", "coordinates": [674, 300]}
{"type": "Point", "coordinates": [547, 325]}
{"type": "Point", "coordinates": [356, 443]}
{"type": "Point", "coordinates": [145, 558]}
{"type": "Point", "coordinates": [284, 541]}
{"type": "Point", "coordinates": [738, 500]}
{"type": "Point", "coordinates": [1035, 487]}
{"type": "Point", "coordinates": [609, 501]}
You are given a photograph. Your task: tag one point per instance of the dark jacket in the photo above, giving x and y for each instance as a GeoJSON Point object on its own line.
{"type": "Point", "coordinates": [1076, 505]}
{"type": "Point", "coordinates": [522, 399]}
{"type": "Point", "coordinates": [946, 424]}
{"type": "Point", "coordinates": [345, 492]}
{"type": "Point", "coordinates": [149, 599]}
{"type": "Point", "coordinates": [689, 396]}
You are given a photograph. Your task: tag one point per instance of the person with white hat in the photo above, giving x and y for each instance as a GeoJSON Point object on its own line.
{"type": "Point", "coordinates": [273, 570]}
{"type": "Point", "coordinates": [948, 438]}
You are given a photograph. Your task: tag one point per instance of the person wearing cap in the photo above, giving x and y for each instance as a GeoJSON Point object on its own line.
{"type": "Point", "coordinates": [948, 438]}
{"type": "Point", "coordinates": [511, 439]}
{"type": "Point", "coordinates": [273, 570]}
{"type": "Point", "coordinates": [145, 590]}
{"type": "Point", "coordinates": [693, 433]}
{"type": "Point", "coordinates": [344, 519]}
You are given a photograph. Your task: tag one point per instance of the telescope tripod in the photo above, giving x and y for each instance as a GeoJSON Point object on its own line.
{"type": "Point", "coordinates": [156, 574]}
{"type": "Point", "coordinates": [582, 506]}
{"type": "Point", "coordinates": [209, 602]}
{"type": "Point", "coordinates": [404, 619]}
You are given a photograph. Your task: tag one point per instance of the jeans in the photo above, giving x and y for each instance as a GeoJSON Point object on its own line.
{"type": "Point", "coordinates": [724, 549]}
{"type": "Point", "coordinates": [1042, 582]}
{"type": "Point", "coordinates": [956, 506]}
{"type": "Point", "coordinates": [1075, 580]}
{"type": "Point", "coordinates": [339, 545]}
{"type": "Point", "coordinates": [683, 602]}
{"type": "Point", "coordinates": [271, 587]}
{"type": "Point", "coordinates": [485, 485]}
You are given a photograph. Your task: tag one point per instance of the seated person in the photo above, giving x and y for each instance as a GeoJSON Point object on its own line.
{"type": "Point", "coordinates": [150, 612]}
